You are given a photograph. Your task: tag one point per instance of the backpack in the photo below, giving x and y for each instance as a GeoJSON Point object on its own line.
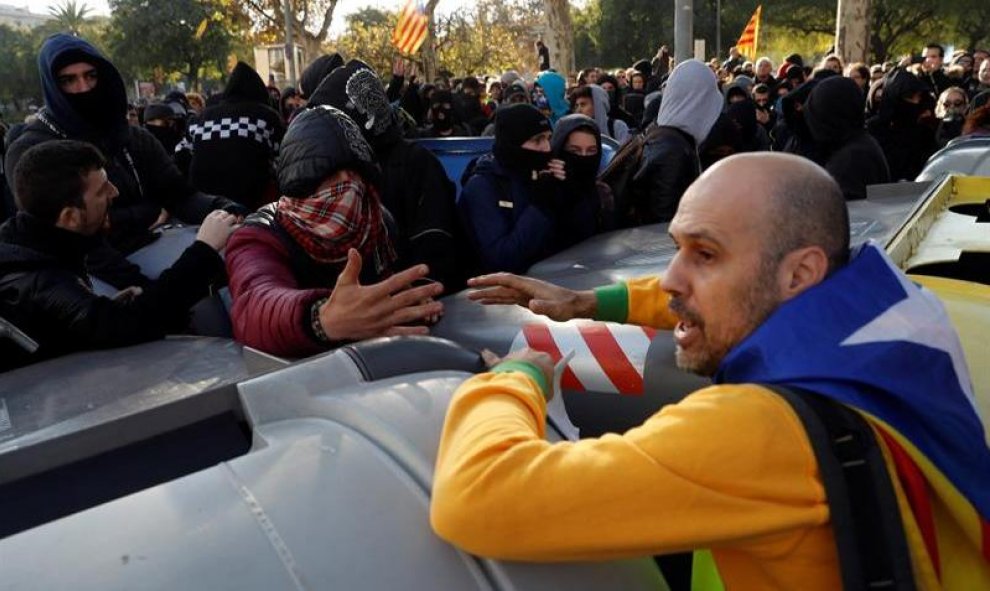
{"type": "Point", "coordinates": [620, 171]}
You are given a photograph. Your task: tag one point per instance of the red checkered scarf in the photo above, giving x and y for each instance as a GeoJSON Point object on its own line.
{"type": "Point", "coordinates": [343, 213]}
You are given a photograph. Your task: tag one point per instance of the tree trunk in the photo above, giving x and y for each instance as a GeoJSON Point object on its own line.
{"type": "Point", "coordinates": [852, 32]}
{"type": "Point", "coordinates": [430, 62]}
{"type": "Point", "coordinates": [560, 35]}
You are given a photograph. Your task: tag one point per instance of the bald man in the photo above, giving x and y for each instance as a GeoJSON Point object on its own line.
{"type": "Point", "coordinates": [759, 293]}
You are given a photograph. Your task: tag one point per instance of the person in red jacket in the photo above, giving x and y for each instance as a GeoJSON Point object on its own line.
{"type": "Point", "coordinates": [316, 268]}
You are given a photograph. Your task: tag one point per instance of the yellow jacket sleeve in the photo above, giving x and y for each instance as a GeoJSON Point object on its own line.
{"type": "Point", "coordinates": [728, 466]}
{"type": "Point", "coordinates": [638, 301]}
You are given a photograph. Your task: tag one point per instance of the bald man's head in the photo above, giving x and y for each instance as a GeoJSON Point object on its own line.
{"type": "Point", "coordinates": [792, 201]}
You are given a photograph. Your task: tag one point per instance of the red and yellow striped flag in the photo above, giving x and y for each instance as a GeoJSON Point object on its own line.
{"type": "Point", "coordinates": [411, 30]}
{"type": "Point", "coordinates": [750, 37]}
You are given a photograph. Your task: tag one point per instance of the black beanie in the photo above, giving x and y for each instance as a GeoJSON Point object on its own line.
{"type": "Point", "coordinates": [514, 124]}
{"type": "Point", "coordinates": [73, 56]}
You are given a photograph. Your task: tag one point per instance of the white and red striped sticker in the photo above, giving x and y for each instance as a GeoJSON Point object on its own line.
{"type": "Point", "coordinates": [607, 357]}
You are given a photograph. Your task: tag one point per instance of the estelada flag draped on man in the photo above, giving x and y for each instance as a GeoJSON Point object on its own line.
{"type": "Point", "coordinates": [411, 30]}
{"type": "Point", "coordinates": [750, 38]}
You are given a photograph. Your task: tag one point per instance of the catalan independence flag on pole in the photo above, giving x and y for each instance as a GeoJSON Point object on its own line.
{"type": "Point", "coordinates": [750, 38]}
{"type": "Point", "coordinates": [411, 30]}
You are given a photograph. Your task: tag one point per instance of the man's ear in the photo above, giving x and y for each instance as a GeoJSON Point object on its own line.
{"type": "Point", "coordinates": [70, 218]}
{"type": "Point", "coordinates": [801, 269]}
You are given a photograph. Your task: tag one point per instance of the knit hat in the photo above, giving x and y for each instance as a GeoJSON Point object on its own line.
{"type": "Point", "coordinates": [514, 124]}
{"type": "Point", "coordinates": [158, 111]}
{"type": "Point", "coordinates": [356, 90]}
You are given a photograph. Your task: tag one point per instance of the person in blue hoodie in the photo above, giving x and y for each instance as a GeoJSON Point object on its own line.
{"type": "Point", "coordinates": [85, 99]}
{"type": "Point", "coordinates": [510, 203]}
{"type": "Point", "coordinates": [554, 88]}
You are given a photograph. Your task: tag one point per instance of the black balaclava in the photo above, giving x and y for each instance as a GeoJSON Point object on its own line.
{"type": "Point", "coordinates": [514, 125]}
{"type": "Point", "coordinates": [441, 116]}
{"type": "Point", "coordinates": [92, 105]}
{"type": "Point", "coordinates": [581, 170]}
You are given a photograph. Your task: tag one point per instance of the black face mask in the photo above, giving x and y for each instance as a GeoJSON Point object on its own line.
{"type": "Point", "coordinates": [443, 119]}
{"type": "Point", "coordinates": [527, 162]}
{"type": "Point", "coordinates": [168, 136]}
{"type": "Point", "coordinates": [94, 107]}
{"type": "Point", "coordinates": [581, 169]}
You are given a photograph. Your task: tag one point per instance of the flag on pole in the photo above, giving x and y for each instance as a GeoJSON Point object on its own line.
{"type": "Point", "coordinates": [750, 38]}
{"type": "Point", "coordinates": [411, 30]}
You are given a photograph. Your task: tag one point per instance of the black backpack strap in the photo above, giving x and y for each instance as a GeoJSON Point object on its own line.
{"type": "Point", "coordinates": [869, 534]}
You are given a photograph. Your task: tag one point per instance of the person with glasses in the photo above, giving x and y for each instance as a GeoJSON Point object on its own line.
{"type": "Point", "coordinates": [951, 113]}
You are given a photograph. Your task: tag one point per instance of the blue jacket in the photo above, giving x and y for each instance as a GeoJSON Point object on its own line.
{"type": "Point", "coordinates": [510, 231]}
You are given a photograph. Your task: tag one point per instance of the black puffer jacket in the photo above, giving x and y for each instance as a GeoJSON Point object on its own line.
{"type": "Point", "coordinates": [414, 186]}
{"type": "Point", "coordinates": [137, 164]}
{"type": "Point", "coordinates": [834, 115]}
{"type": "Point", "coordinates": [45, 291]}
{"type": "Point", "coordinates": [234, 143]}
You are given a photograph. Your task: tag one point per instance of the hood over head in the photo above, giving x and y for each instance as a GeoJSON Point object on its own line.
{"type": "Point", "coordinates": [554, 87]}
{"type": "Point", "coordinates": [245, 86]}
{"type": "Point", "coordinates": [691, 100]}
{"type": "Point", "coordinates": [834, 110]}
{"type": "Point", "coordinates": [580, 169]}
{"type": "Point", "coordinates": [321, 141]}
{"type": "Point", "coordinates": [602, 106]}
{"type": "Point", "coordinates": [740, 85]}
{"type": "Point", "coordinates": [317, 71]}
{"type": "Point", "coordinates": [356, 90]}
{"type": "Point", "coordinates": [99, 115]}
{"type": "Point", "coordinates": [514, 125]}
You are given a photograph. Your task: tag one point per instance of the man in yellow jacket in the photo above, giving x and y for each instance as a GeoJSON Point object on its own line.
{"type": "Point", "coordinates": [763, 290]}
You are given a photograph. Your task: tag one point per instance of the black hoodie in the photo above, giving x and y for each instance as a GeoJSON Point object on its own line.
{"type": "Point", "coordinates": [834, 117]}
{"type": "Point", "coordinates": [234, 144]}
{"type": "Point", "coordinates": [905, 130]}
{"type": "Point", "coordinates": [137, 165]}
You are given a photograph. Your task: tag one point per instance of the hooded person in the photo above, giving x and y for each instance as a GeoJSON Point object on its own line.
{"type": "Point", "coordinates": [905, 124]}
{"type": "Point", "coordinates": [592, 100]}
{"type": "Point", "coordinates": [791, 134]}
{"type": "Point", "coordinates": [160, 121]}
{"type": "Point", "coordinates": [414, 186]}
{"type": "Point", "coordinates": [509, 201]}
{"type": "Point", "coordinates": [752, 137]}
{"type": "Point", "coordinates": [586, 206]}
{"type": "Point", "coordinates": [554, 89]}
{"type": "Point", "coordinates": [834, 117]}
{"type": "Point", "coordinates": [690, 106]}
{"type": "Point", "coordinates": [296, 266]}
{"type": "Point", "coordinates": [739, 89]}
{"type": "Point", "coordinates": [85, 99]}
{"type": "Point", "coordinates": [317, 71]}
{"type": "Point", "coordinates": [443, 117]}
{"type": "Point", "coordinates": [233, 145]}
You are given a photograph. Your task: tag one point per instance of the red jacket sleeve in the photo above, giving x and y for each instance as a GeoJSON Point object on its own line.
{"type": "Point", "coordinates": [271, 313]}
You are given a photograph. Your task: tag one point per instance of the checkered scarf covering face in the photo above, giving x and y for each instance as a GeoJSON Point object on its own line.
{"type": "Point", "coordinates": [343, 213]}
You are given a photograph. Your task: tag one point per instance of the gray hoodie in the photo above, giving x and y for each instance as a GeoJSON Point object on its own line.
{"type": "Point", "coordinates": [691, 100]}
{"type": "Point", "coordinates": [602, 106]}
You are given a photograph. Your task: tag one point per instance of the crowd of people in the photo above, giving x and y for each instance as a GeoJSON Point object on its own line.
{"type": "Point", "coordinates": [331, 224]}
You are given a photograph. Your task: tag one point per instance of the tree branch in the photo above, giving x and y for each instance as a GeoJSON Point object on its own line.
{"type": "Point", "coordinates": [327, 19]}
{"type": "Point", "coordinates": [253, 4]}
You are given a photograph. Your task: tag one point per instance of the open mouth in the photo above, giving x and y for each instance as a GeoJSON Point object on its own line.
{"type": "Point", "coordinates": [686, 333]}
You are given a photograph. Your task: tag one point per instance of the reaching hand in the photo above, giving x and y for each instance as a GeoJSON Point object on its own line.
{"type": "Point", "coordinates": [539, 359]}
{"type": "Point", "coordinates": [556, 168]}
{"type": "Point", "coordinates": [217, 228]}
{"type": "Point", "coordinates": [398, 66]}
{"type": "Point", "coordinates": [354, 311]}
{"type": "Point", "coordinates": [555, 302]}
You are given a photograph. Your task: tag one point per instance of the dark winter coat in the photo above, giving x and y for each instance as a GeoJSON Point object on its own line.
{"type": "Point", "coordinates": [137, 165]}
{"type": "Point", "coordinates": [669, 165]}
{"type": "Point", "coordinates": [45, 291]}
{"type": "Point", "coordinates": [834, 116]}
{"type": "Point", "coordinates": [234, 144]}
{"type": "Point", "coordinates": [514, 222]}
{"type": "Point", "coordinates": [901, 128]}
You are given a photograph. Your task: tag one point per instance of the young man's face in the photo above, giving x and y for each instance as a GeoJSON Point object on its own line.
{"type": "Point", "coordinates": [581, 143]}
{"type": "Point", "coordinates": [933, 59]}
{"type": "Point", "coordinates": [637, 83]}
{"type": "Point", "coordinates": [94, 215]}
{"type": "Point", "coordinates": [762, 99]}
{"type": "Point", "coordinates": [585, 106]}
{"type": "Point", "coordinates": [538, 143]}
{"type": "Point", "coordinates": [77, 78]}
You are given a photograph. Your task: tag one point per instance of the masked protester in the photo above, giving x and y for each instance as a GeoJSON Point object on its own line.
{"type": "Point", "coordinates": [443, 117]}
{"type": "Point", "coordinates": [160, 121]}
{"type": "Point", "coordinates": [951, 111]}
{"type": "Point", "coordinates": [834, 117]}
{"type": "Point", "coordinates": [586, 206]}
{"type": "Point", "coordinates": [297, 266]}
{"type": "Point", "coordinates": [414, 186]}
{"type": "Point", "coordinates": [510, 199]}
{"type": "Point", "coordinates": [905, 125]}
{"type": "Point", "coordinates": [234, 144]}
{"type": "Point", "coordinates": [86, 100]}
